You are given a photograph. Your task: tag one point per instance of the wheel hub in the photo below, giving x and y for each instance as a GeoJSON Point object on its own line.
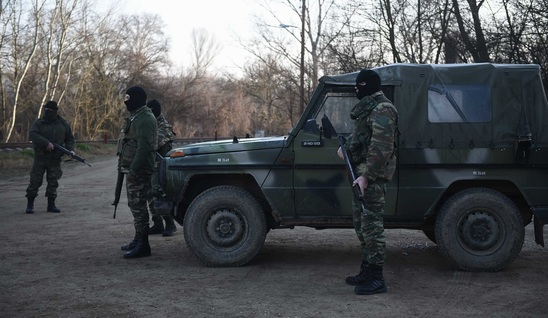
{"type": "Point", "coordinates": [224, 228]}
{"type": "Point", "coordinates": [480, 231]}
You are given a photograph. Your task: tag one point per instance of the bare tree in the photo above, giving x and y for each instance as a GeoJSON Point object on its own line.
{"type": "Point", "coordinates": [21, 62]}
{"type": "Point", "coordinates": [97, 110]}
{"type": "Point", "coordinates": [205, 49]}
{"type": "Point", "coordinates": [62, 49]}
{"type": "Point", "coordinates": [272, 95]}
{"type": "Point", "coordinates": [57, 49]}
{"type": "Point", "coordinates": [402, 30]}
{"type": "Point", "coordinates": [129, 51]}
{"type": "Point", "coordinates": [533, 40]}
{"type": "Point", "coordinates": [6, 15]}
{"type": "Point", "coordinates": [357, 44]}
{"type": "Point", "coordinates": [388, 27]}
{"type": "Point", "coordinates": [444, 45]}
{"type": "Point", "coordinates": [471, 30]}
{"type": "Point", "coordinates": [302, 44]}
{"type": "Point", "coordinates": [145, 47]}
{"type": "Point", "coordinates": [189, 96]}
{"type": "Point", "coordinates": [178, 97]}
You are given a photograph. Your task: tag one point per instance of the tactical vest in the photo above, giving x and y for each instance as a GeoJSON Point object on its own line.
{"type": "Point", "coordinates": [358, 143]}
{"type": "Point", "coordinates": [127, 146]}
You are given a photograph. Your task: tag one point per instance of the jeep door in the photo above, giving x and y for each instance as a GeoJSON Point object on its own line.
{"type": "Point", "coordinates": [322, 187]}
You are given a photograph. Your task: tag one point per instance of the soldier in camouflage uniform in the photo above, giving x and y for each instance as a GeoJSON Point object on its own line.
{"type": "Point", "coordinates": [165, 140]}
{"type": "Point", "coordinates": [51, 128]}
{"type": "Point", "coordinates": [371, 149]}
{"type": "Point", "coordinates": [137, 159]}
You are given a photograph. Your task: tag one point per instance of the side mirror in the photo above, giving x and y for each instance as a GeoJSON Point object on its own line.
{"type": "Point", "coordinates": [312, 127]}
{"type": "Point", "coordinates": [328, 129]}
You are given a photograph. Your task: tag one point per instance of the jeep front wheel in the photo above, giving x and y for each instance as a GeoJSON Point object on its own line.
{"type": "Point", "coordinates": [225, 226]}
{"type": "Point", "coordinates": [480, 229]}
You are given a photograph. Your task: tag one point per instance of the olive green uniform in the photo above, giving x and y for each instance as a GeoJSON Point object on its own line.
{"type": "Point", "coordinates": [137, 159]}
{"type": "Point", "coordinates": [42, 132]}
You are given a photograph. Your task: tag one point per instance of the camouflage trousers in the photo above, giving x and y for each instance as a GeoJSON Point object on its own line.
{"type": "Point", "coordinates": [369, 226]}
{"type": "Point", "coordinates": [156, 191]}
{"type": "Point", "coordinates": [52, 168]}
{"type": "Point", "coordinates": [138, 193]}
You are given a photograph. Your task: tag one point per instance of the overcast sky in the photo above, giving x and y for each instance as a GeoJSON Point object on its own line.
{"type": "Point", "coordinates": [225, 19]}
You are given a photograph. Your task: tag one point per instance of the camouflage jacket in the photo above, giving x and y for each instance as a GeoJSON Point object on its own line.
{"type": "Point", "coordinates": [165, 135]}
{"type": "Point", "coordinates": [371, 147]}
{"type": "Point", "coordinates": [44, 131]}
{"type": "Point", "coordinates": [138, 146]}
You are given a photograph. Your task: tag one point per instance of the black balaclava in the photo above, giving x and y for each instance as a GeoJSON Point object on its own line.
{"type": "Point", "coordinates": [135, 98]}
{"type": "Point", "coordinates": [50, 111]}
{"type": "Point", "coordinates": [155, 106]}
{"type": "Point", "coordinates": [368, 82]}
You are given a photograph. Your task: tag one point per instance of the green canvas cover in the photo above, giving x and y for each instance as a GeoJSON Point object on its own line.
{"type": "Point", "coordinates": [456, 106]}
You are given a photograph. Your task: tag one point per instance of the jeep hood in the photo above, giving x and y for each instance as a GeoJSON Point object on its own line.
{"type": "Point", "coordinates": [230, 145]}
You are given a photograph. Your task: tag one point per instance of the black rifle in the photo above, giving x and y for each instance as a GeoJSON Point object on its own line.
{"type": "Point", "coordinates": [328, 131]}
{"type": "Point", "coordinates": [69, 153]}
{"type": "Point", "coordinates": [118, 191]}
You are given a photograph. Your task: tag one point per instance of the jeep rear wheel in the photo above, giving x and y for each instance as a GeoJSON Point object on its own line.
{"type": "Point", "coordinates": [225, 226]}
{"type": "Point", "coordinates": [480, 230]}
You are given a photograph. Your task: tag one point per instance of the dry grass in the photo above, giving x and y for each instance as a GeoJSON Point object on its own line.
{"type": "Point", "coordinates": [18, 162]}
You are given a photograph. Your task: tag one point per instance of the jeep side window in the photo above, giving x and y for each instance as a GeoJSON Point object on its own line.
{"type": "Point", "coordinates": [459, 103]}
{"type": "Point", "coordinates": [336, 107]}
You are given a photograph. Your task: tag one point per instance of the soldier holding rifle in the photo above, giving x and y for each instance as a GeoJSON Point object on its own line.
{"type": "Point", "coordinates": [371, 150]}
{"type": "Point", "coordinates": [45, 132]}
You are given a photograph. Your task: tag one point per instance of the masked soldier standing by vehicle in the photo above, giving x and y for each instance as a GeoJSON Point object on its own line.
{"type": "Point", "coordinates": [51, 128]}
{"type": "Point", "coordinates": [372, 152]}
{"type": "Point", "coordinates": [136, 159]}
{"type": "Point", "coordinates": [165, 140]}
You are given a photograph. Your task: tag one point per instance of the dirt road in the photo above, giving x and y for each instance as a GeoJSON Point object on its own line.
{"type": "Point", "coordinates": [70, 265]}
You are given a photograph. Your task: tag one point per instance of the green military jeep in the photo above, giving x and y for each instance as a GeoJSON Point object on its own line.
{"type": "Point", "coordinates": [472, 168]}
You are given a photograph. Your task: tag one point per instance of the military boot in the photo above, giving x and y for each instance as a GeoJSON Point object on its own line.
{"type": "Point", "coordinates": [360, 278]}
{"type": "Point", "coordinates": [374, 283]}
{"type": "Point", "coordinates": [51, 206]}
{"type": "Point", "coordinates": [170, 226]}
{"type": "Point", "coordinates": [141, 248]}
{"type": "Point", "coordinates": [157, 227]}
{"type": "Point", "coordinates": [30, 205]}
{"type": "Point", "coordinates": [129, 246]}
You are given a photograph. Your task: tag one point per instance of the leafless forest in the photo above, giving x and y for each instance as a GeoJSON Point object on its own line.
{"type": "Point", "coordinates": [65, 51]}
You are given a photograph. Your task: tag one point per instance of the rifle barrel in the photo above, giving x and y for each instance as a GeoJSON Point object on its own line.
{"type": "Point", "coordinates": [117, 192]}
{"type": "Point", "coordinates": [69, 153]}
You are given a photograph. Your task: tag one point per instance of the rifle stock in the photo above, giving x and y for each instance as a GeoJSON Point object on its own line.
{"type": "Point", "coordinates": [69, 153]}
